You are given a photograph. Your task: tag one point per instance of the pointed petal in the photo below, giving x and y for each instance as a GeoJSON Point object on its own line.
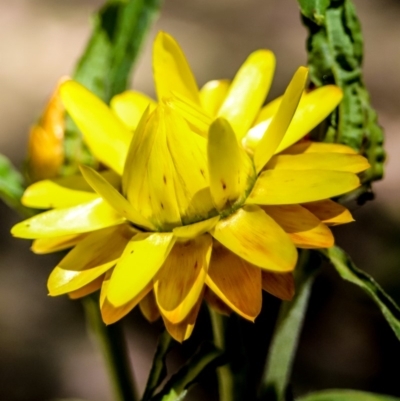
{"type": "Point", "coordinates": [141, 260]}
{"type": "Point", "coordinates": [287, 187]}
{"type": "Point", "coordinates": [303, 228]}
{"type": "Point", "coordinates": [106, 136]}
{"type": "Point", "coordinates": [281, 120]}
{"type": "Point", "coordinates": [212, 95]}
{"type": "Point", "coordinates": [148, 307]}
{"type": "Point", "coordinates": [329, 212]}
{"type": "Point", "coordinates": [235, 282]}
{"type": "Point", "coordinates": [229, 167]}
{"type": "Point", "coordinates": [171, 69]}
{"type": "Point", "coordinates": [183, 330]}
{"type": "Point", "coordinates": [320, 161]}
{"type": "Point", "coordinates": [83, 218]}
{"type": "Point", "coordinates": [194, 230]}
{"type": "Point", "coordinates": [129, 106]}
{"type": "Point", "coordinates": [91, 258]}
{"type": "Point", "coordinates": [313, 109]}
{"type": "Point", "coordinates": [254, 236]}
{"type": "Point", "coordinates": [104, 286]}
{"type": "Point", "coordinates": [216, 303]}
{"type": "Point", "coordinates": [114, 198]}
{"type": "Point", "coordinates": [48, 245]}
{"type": "Point", "coordinates": [248, 91]}
{"type": "Point", "coordinates": [279, 285]}
{"type": "Point", "coordinates": [90, 288]}
{"type": "Point", "coordinates": [317, 147]}
{"type": "Point", "coordinates": [180, 281]}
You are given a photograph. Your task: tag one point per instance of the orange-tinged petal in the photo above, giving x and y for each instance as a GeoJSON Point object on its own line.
{"type": "Point", "coordinates": [329, 212]}
{"type": "Point", "coordinates": [212, 95]}
{"type": "Point", "coordinates": [48, 245]}
{"type": "Point", "coordinates": [317, 147]}
{"type": "Point", "coordinates": [279, 285]}
{"type": "Point", "coordinates": [79, 219]}
{"type": "Point", "coordinates": [320, 161]}
{"type": "Point", "coordinates": [148, 307]}
{"type": "Point", "coordinates": [90, 288]}
{"type": "Point", "coordinates": [235, 282]}
{"type": "Point", "coordinates": [183, 330]}
{"type": "Point", "coordinates": [248, 91]}
{"type": "Point", "coordinates": [288, 187]}
{"type": "Point", "coordinates": [129, 106]}
{"type": "Point", "coordinates": [114, 198]}
{"type": "Point", "coordinates": [140, 262]}
{"type": "Point", "coordinates": [180, 281]}
{"type": "Point", "coordinates": [171, 70]}
{"type": "Point", "coordinates": [107, 137]}
{"type": "Point", "coordinates": [303, 228]}
{"type": "Point", "coordinates": [254, 236]}
{"type": "Point", "coordinates": [281, 120]}
{"type": "Point", "coordinates": [194, 230]}
{"type": "Point", "coordinates": [229, 167]}
{"type": "Point", "coordinates": [216, 303]}
{"type": "Point", "coordinates": [91, 258]}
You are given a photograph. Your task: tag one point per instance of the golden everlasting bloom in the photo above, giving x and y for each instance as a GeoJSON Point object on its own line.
{"type": "Point", "coordinates": [209, 197]}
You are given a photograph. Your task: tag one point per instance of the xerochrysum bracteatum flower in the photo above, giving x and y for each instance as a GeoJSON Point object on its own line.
{"type": "Point", "coordinates": [206, 194]}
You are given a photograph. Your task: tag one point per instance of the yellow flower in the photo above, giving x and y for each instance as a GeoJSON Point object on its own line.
{"type": "Point", "coordinates": [208, 199]}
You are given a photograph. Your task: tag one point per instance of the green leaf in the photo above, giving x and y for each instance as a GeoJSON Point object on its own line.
{"type": "Point", "coordinates": [335, 53]}
{"type": "Point", "coordinates": [119, 30]}
{"type": "Point", "coordinates": [158, 370]}
{"type": "Point", "coordinates": [206, 358]}
{"type": "Point", "coordinates": [12, 187]}
{"type": "Point", "coordinates": [287, 331]}
{"type": "Point", "coordinates": [346, 395]}
{"type": "Point", "coordinates": [348, 271]}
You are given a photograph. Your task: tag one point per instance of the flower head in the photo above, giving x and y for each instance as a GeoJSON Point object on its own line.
{"type": "Point", "coordinates": [208, 198]}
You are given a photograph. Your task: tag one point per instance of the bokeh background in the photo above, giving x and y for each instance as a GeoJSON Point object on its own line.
{"type": "Point", "coordinates": [45, 352]}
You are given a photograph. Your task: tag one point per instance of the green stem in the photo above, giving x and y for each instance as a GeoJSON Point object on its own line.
{"type": "Point", "coordinates": [113, 347]}
{"type": "Point", "coordinates": [225, 375]}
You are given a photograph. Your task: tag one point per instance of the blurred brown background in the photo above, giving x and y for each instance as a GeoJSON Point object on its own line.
{"type": "Point", "coordinates": [44, 350]}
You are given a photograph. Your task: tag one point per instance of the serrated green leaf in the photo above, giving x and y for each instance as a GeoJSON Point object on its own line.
{"type": "Point", "coordinates": [314, 9]}
{"type": "Point", "coordinates": [346, 395]}
{"type": "Point", "coordinates": [348, 271]}
{"type": "Point", "coordinates": [158, 370]}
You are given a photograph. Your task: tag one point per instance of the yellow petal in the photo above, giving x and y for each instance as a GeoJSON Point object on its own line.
{"type": "Point", "coordinates": [148, 307]}
{"type": "Point", "coordinates": [83, 218]}
{"type": "Point", "coordinates": [171, 70]}
{"type": "Point", "coordinates": [254, 236]}
{"type": "Point", "coordinates": [142, 258]}
{"type": "Point", "coordinates": [114, 198]}
{"type": "Point", "coordinates": [229, 167]}
{"type": "Point", "coordinates": [280, 122]}
{"type": "Point", "coordinates": [91, 258]}
{"type": "Point", "coordinates": [279, 285]}
{"type": "Point", "coordinates": [106, 136]}
{"type": "Point", "coordinates": [320, 161]}
{"type": "Point", "coordinates": [212, 95]}
{"type": "Point", "coordinates": [216, 303]}
{"type": "Point", "coordinates": [248, 91]}
{"type": "Point", "coordinates": [288, 187]}
{"type": "Point", "coordinates": [194, 230]}
{"type": "Point", "coordinates": [329, 212]}
{"type": "Point", "coordinates": [104, 286]}
{"type": "Point", "coordinates": [235, 282]}
{"type": "Point", "coordinates": [303, 228]}
{"type": "Point", "coordinates": [317, 147]}
{"type": "Point", "coordinates": [129, 106]}
{"type": "Point", "coordinates": [180, 281]}
{"type": "Point", "coordinates": [94, 286]}
{"type": "Point", "coordinates": [183, 330]}
{"type": "Point", "coordinates": [48, 245]}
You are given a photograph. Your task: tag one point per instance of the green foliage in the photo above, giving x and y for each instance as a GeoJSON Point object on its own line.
{"type": "Point", "coordinates": [335, 54]}
{"type": "Point", "coordinates": [119, 30]}
{"type": "Point", "coordinates": [346, 395]}
{"type": "Point", "coordinates": [349, 272]}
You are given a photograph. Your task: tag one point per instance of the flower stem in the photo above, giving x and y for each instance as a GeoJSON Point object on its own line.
{"type": "Point", "coordinates": [225, 375]}
{"type": "Point", "coordinates": [112, 343]}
